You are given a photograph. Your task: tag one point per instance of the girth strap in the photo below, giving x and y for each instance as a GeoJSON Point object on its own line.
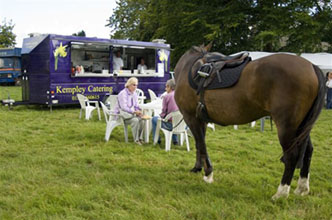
{"type": "Point", "coordinates": [204, 73]}
{"type": "Point", "coordinates": [201, 111]}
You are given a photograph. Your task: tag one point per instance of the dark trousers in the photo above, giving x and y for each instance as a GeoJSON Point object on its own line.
{"type": "Point", "coordinates": [329, 98]}
{"type": "Point", "coordinates": [165, 125]}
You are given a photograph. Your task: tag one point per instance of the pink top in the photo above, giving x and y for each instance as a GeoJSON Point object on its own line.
{"type": "Point", "coordinates": [169, 104]}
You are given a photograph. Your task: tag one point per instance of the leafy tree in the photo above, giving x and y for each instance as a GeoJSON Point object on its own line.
{"type": "Point", "coordinates": [7, 37]}
{"type": "Point", "coordinates": [233, 25]}
{"type": "Point", "coordinates": [312, 26]}
{"type": "Point", "coordinates": [125, 19]}
{"type": "Point", "coordinates": [80, 33]}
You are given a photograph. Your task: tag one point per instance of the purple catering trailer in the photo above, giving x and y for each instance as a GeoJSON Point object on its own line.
{"type": "Point", "coordinates": [55, 68]}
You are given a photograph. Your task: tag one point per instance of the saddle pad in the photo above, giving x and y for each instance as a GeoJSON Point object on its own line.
{"type": "Point", "coordinates": [228, 76]}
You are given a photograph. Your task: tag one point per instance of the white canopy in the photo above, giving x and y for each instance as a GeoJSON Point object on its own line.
{"type": "Point", "coordinates": [323, 60]}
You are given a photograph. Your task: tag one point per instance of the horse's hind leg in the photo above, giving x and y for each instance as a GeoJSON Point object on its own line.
{"type": "Point", "coordinates": [286, 135]}
{"type": "Point", "coordinates": [303, 182]}
{"type": "Point", "coordinates": [198, 129]}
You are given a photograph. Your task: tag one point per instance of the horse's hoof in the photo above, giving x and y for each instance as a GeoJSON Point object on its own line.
{"type": "Point", "coordinates": [196, 170]}
{"type": "Point", "coordinates": [301, 192]}
{"type": "Point", "coordinates": [302, 188]}
{"type": "Point", "coordinates": [283, 191]}
{"type": "Point", "coordinates": [209, 178]}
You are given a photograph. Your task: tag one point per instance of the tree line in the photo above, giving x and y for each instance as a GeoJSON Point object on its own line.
{"type": "Point", "coordinates": [7, 37]}
{"type": "Point", "coordinates": [232, 25]}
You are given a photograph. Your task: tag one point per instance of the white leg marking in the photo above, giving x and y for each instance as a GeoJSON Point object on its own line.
{"type": "Point", "coordinates": [283, 191]}
{"type": "Point", "coordinates": [302, 186]}
{"type": "Point", "coordinates": [209, 178]}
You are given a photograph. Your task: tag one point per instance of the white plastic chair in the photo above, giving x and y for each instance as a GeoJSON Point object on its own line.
{"type": "Point", "coordinates": [152, 94]}
{"type": "Point", "coordinates": [112, 119]}
{"type": "Point", "coordinates": [140, 95]}
{"type": "Point", "coordinates": [179, 127]}
{"type": "Point", "coordinates": [85, 105]}
{"type": "Point", "coordinates": [158, 109]}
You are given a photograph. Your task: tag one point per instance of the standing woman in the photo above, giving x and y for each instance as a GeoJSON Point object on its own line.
{"type": "Point", "coordinates": [329, 91]}
{"type": "Point", "coordinates": [129, 109]}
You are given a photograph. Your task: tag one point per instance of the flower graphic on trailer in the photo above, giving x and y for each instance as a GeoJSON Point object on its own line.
{"type": "Point", "coordinates": [59, 51]}
{"type": "Point", "coordinates": [163, 57]}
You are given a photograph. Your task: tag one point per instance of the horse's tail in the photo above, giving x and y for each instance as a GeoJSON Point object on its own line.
{"type": "Point", "coordinates": [303, 131]}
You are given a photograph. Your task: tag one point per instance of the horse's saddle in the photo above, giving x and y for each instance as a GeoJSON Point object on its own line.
{"type": "Point", "coordinates": [218, 71]}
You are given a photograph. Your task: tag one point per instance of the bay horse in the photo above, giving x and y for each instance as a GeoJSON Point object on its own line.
{"type": "Point", "coordinates": [286, 87]}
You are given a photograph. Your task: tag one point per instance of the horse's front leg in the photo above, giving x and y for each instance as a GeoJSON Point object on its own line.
{"type": "Point", "coordinates": [198, 164]}
{"type": "Point", "coordinates": [198, 129]}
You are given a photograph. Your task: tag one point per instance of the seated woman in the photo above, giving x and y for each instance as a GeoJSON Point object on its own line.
{"type": "Point", "coordinates": [168, 106]}
{"type": "Point", "coordinates": [129, 110]}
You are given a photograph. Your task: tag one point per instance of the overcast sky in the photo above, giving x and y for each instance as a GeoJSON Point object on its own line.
{"type": "Point", "coordinates": [63, 17]}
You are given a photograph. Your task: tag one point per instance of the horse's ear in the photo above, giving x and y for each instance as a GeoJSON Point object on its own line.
{"type": "Point", "coordinates": [195, 48]}
{"type": "Point", "coordinates": [208, 47]}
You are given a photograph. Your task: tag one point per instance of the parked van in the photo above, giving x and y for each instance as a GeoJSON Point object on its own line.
{"type": "Point", "coordinates": [10, 65]}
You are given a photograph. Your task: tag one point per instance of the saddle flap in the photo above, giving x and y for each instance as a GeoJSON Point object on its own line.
{"type": "Point", "coordinates": [220, 74]}
{"type": "Point", "coordinates": [216, 57]}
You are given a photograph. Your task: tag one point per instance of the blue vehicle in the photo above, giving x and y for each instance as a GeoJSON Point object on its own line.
{"type": "Point", "coordinates": [10, 65]}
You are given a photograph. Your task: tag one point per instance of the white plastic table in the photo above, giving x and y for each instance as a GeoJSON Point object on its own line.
{"type": "Point", "coordinates": [148, 107]}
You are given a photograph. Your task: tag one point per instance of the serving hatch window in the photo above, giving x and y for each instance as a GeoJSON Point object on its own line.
{"type": "Point", "coordinates": [90, 58]}
{"type": "Point", "coordinates": [133, 56]}
{"type": "Point", "coordinates": [97, 58]}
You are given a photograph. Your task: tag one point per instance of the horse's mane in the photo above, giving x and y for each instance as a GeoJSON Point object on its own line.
{"type": "Point", "coordinates": [189, 57]}
{"type": "Point", "coordinates": [198, 49]}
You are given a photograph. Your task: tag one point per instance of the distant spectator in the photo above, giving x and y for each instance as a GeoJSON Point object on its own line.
{"type": "Point", "coordinates": [329, 91]}
{"type": "Point", "coordinates": [117, 61]}
{"type": "Point", "coordinates": [141, 66]}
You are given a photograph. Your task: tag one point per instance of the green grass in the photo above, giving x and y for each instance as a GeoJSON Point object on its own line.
{"type": "Point", "coordinates": [55, 166]}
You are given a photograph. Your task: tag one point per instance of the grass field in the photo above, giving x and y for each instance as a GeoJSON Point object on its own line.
{"type": "Point", "coordinates": [56, 166]}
